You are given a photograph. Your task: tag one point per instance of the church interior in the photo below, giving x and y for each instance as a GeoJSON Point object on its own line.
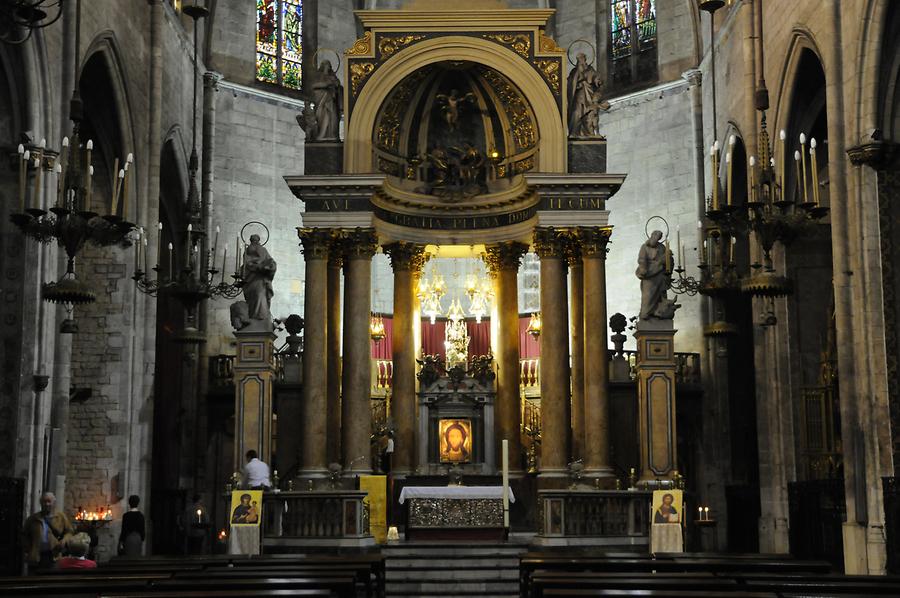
{"type": "Point", "coordinates": [412, 298]}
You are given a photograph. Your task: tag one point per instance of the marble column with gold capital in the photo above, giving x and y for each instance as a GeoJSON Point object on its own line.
{"type": "Point", "coordinates": [550, 245]}
{"type": "Point", "coordinates": [576, 296]}
{"type": "Point", "coordinates": [407, 260]}
{"type": "Point", "coordinates": [359, 246]}
{"type": "Point", "coordinates": [316, 244]}
{"type": "Point", "coordinates": [593, 242]}
{"type": "Point", "coordinates": [333, 365]}
{"type": "Point", "coordinates": [503, 262]}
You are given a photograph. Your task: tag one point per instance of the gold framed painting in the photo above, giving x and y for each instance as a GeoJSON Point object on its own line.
{"type": "Point", "coordinates": [455, 437]}
{"type": "Point", "coordinates": [668, 506]}
{"type": "Point", "coordinates": [246, 507]}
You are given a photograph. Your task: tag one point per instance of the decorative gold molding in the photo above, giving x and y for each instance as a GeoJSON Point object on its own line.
{"type": "Point", "coordinates": [548, 44]}
{"type": "Point", "coordinates": [362, 46]}
{"type": "Point", "coordinates": [516, 109]}
{"type": "Point", "coordinates": [550, 70]}
{"type": "Point", "coordinates": [520, 43]}
{"type": "Point", "coordinates": [387, 46]}
{"type": "Point", "coordinates": [359, 72]}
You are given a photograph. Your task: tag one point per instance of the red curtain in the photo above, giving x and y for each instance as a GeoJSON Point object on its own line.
{"type": "Point", "coordinates": [479, 337]}
{"type": "Point", "coordinates": [529, 347]}
{"type": "Point", "coordinates": [382, 349]}
{"type": "Point", "coordinates": [433, 337]}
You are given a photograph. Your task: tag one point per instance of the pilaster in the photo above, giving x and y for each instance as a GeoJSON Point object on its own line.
{"type": "Point", "coordinates": [254, 376]}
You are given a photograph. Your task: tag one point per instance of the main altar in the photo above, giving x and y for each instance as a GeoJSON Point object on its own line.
{"type": "Point", "coordinates": [463, 137]}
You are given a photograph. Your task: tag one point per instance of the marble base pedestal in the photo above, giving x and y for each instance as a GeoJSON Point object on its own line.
{"type": "Point", "coordinates": [656, 400]}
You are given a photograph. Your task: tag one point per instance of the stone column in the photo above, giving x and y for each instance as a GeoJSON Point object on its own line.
{"type": "Point", "coordinates": [503, 261]}
{"type": "Point", "coordinates": [335, 412]}
{"type": "Point", "coordinates": [359, 247]}
{"type": "Point", "coordinates": [577, 327]}
{"type": "Point", "coordinates": [550, 246]}
{"type": "Point", "coordinates": [315, 243]}
{"type": "Point", "coordinates": [596, 454]}
{"type": "Point", "coordinates": [254, 376]}
{"type": "Point", "coordinates": [406, 260]}
{"type": "Point", "coordinates": [656, 399]}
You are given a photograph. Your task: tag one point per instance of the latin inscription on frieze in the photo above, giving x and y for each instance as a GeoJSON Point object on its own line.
{"type": "Point", "coordinates": [455, 222]}
{"type": "Point", "coordinates": [572, 203]}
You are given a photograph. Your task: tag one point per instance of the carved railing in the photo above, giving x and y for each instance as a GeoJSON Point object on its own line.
{"type": "Point", "coordinates": [594, 513]}
{"type": "Point", "coordinates": [221, 371]}
{"type": "Point", "coordinates": [315, 515]}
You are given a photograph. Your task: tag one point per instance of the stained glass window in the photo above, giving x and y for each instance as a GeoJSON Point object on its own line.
{"type": "Point", "coordinates": [632, 42]}
{"type": "Point", "coordinates": [279, 42]}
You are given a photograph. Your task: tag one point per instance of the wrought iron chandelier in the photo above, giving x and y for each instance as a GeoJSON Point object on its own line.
{"type": "Point", "coordinates": [71, 221]}
{"type": "Point", "coordinates": [195, 277]}
{"type": "Point", "coordinates": [20, 18]}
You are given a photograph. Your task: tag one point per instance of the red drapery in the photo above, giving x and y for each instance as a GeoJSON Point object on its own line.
{"type": "Point", "coordinates": [479, 335]}
{"type": "Point", "coordinates": [529, 347]}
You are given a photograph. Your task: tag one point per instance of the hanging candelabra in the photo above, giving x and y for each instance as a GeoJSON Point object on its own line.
{"type": "Point", "coordinates": [480, 293]}
{"type": "Point", "coordinates": [20, 18]}
{"type": "Point", "coordinates": [430, 292]}
{"type": "Point", "coordinates": [193, 277]}
{"type": "Point", "coordinates": [75, 219]}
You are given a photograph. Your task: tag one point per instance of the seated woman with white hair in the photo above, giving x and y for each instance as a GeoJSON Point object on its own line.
{"type": "Point", "coordinates": [78, 546]}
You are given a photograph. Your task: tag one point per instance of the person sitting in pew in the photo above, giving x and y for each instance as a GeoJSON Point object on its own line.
{"type": "Point", "coordinates": [45, 534]}
{"type": "Point", "coordinates": [78, 546]}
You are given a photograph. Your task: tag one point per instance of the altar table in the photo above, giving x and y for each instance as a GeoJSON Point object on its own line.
{"type": "Point", "coordinates": [454, 512]}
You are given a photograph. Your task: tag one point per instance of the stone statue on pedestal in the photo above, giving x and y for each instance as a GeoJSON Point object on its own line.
{"type": "Point", "coordinates": [584, 99]}
{"type": "Point", "coordinates": [257, 274]}
{"type": "Point", "coordinates": [655, 271]}
{"type": "Point", "coordinates": [328, 99]}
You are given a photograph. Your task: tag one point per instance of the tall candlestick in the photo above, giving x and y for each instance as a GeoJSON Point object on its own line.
{"type": "Point", "coordinates": [59, 182]}
{"type": "Point", "coordinates": [668, 256]}
{"type": "Point", "coordinates": [680, 258]}
{"type": "Point", "coordinates": [237, 252]}
{"type": "Point", "coordinates": [187, 245]}
{"type": "Point", "coordinates": [137, 250]}
{"type": "Point", "coordinates": [38, 164]}
{"type": "Point", "coordinates": [171, 262]}
{"type": "Point", "coordinates": [752, 179]}
{"type": "Point", "coordinates": [146, 261]}
{"type": "Point", "coordinates": [803, 158]}
{"type": "Point", "coordinates": [782, 157]}
{"type": "Point", "coordinates": [128, 162]}
{"type": "Point", "coordinates": [88, 147]}
{"type": "Point", "coordinates": [224, 257]}
{"type": "Point", "coordinates": [505, 451]}
{"type": "Point", "coordinates": [158, 244]}
{"type": "Point", "coordinates": [23, 165]}
{"type": "Point", "coordinates": [704, 256]}
{"type": "Point", "coordinates": [731, 250]}
{"type": "Point", "coordinates": [728, 159]}
{"type": "Point", "coordinates": [199, 516]}
{"type": "Point", "coordinates": [215, 245]}
{"type": "Point", "coordinates": [728, 177]}
{"type": "Point", "coordinates": [715, 181]}
{"type": "Point", "coordinates": [797, 165]}
{"type": "Point", "coordinates": [815, 170]}
{"type": "Point", "coordinates": [89, 191]}
{"type": "Point", "coordinates": [700, 513]}
{"type": "Point", "coordinates": [115, 187]}
{"type": "Point", "coordinates": [61, 164]}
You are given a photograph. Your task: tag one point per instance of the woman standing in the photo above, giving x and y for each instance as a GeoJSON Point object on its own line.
{"type": "Point", "coordinates": [131, 539]}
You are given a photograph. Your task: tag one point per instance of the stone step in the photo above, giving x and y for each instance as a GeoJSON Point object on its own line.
{"type": "Point", "coordinates": [452, 589]}
{"type": "Point", "coordinates": [484, 574]}
{"type": "Point", "coordinates": [455, 563]}
{"type": "Point", "coordinates": [444, 551]}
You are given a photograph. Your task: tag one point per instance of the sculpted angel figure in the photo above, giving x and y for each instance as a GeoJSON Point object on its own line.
{"type": "Point", "coordinates": [450, 106]}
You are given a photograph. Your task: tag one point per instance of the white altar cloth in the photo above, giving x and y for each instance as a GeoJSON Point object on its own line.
{"type": "Point", "coordinates": [459, 492]}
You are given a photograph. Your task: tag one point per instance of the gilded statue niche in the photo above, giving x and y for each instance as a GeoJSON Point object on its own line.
{"type": "Point", "coordinates": [454, 131]}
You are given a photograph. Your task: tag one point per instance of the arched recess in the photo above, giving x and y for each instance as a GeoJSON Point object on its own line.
{"type": "Point", "coordinates": [811, 347]}
{"type": "Point", "coordinates": [358, 156]}
{"type": "Point", "coordinates": [888, 109]}
{"type": "Point", "coordinates": [169, 419]}
{"type": "Point", "coordinates": [107, 117]}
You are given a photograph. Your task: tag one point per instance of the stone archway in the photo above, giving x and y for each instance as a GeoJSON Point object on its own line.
{"type": "Point", "coordinates": [550, 120]}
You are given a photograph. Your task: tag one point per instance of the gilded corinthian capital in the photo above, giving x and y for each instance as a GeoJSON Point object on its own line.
{"type": "Point", "coordinates": [593, 240]}
{"type": "Point", "coordinates": [504, 256]}
{"type": "Point", "coordinates": [550, 242]}
{"type": "Point", "coordinates": [360, 243]}
{"type": "Point", "coordinates": [316, 242]}
{"type": "Point", "coordinates": [406, 256]}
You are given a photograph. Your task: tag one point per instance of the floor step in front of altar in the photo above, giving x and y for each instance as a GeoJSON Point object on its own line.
{"type": "Point", "coordinates": [452, 569]}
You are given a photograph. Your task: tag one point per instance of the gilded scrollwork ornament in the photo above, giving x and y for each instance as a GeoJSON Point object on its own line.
{"type": "Point", "coordinates": [520, 43]}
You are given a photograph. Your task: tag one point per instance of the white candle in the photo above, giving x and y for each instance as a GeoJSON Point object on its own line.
{"type": "Point", "coordinates": [23, 165]}
{"type": "Point", "coordinates": [803, 158]}
{"type": "Point", "coordinates": [815, 170]}
{"type": "Point", "coordinates": [505, 450]}
{"type": "Point", "coordinates": [781, 158]}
